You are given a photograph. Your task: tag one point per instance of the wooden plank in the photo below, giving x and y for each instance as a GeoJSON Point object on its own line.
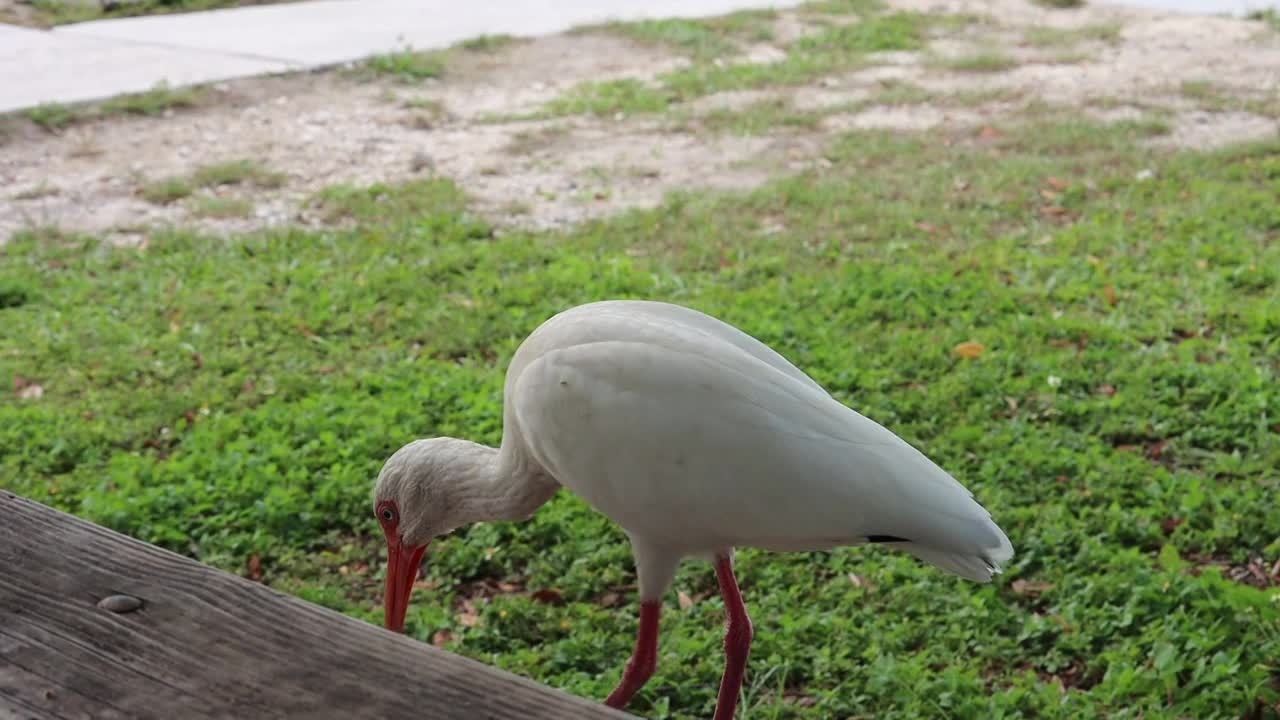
{"type": "Point", "coordinates": [207, 644]}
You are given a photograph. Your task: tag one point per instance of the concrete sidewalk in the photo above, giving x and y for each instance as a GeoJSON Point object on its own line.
{"type": "Point", "coordinates": [95, 60]}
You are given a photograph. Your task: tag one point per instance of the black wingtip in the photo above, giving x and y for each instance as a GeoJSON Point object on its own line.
{"type": "Point", "coordinates": [885, 539]}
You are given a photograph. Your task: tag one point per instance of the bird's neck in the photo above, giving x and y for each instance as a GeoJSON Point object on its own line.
{"type": "Point", "coordinates": [502, 485]}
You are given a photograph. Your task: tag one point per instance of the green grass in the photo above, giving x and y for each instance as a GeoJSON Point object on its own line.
{"type": "Point", "coordinates": [835, 48]}
{"type": "Point", "coordinates": [156, 101]}
{"type": "Point", "coordinates": [43, 190]}
{"type": "Point", "coordinates": [609, 97]}
{"type": "Point", "coordinates": [1214, 97]}
{"type": "Point", "coordinates": [759, 118]}
{"type": "Point", "coordinates": [238, 172]}
{"type": "Point", "coordinates": [234, 398]}
{"type": "Point", "coordinates": [842, 7]}
{"type": "Point", "coordinates": [1268, 16]}
{"type": "Point", "coordinates": [1060, 4]}
{"type": "Point", "coordinates": [703, 39]}
{"type": "Point", "coordinates": [166, 190]}
{"type": "Point", "coordinates": [51, 116]}
{"type": "Point", "coordinates": [407, 66]}
{"type": "Point", "coordinates": [234, 172]}
{"type": "Point", "coordinates": [61, 12]}
{"type": "Point", "coordinates": [487, 43]}
{"type": "Point", "coordinates": [1059, 37]}
{"type": "Point", "coordinates": [222, 208]}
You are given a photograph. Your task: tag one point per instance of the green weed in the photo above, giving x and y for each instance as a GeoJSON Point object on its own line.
{"type": "Point", "coordinates": [222, 208]}
{"type": "Point", "coordinates": [407, 66]}
{"type": "Point", "coordinates": [166, 190]}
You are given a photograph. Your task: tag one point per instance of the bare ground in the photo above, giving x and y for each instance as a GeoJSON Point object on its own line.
{"type": "Point", "coordinates": [1212, 80]}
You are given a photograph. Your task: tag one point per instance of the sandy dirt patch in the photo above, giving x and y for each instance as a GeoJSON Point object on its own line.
{"type": "Point", "coordinates": [1213, 80]}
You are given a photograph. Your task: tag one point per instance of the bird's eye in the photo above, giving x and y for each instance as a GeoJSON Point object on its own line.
{"type": "Point", "coordinates": [388, 514]}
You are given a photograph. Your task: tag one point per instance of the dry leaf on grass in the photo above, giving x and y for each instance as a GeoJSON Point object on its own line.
{"type": "Point", "coordinates": [1030, 588]}
{"type": "Point", "coordinates": [547, 596]}
{"type": "Point", "coordinates": [27, 389]}
{"type": "Point", "coordinates": [468, 617]}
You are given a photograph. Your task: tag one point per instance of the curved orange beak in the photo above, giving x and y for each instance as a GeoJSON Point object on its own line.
{"type": "Point", "coordinates": [403, 562]}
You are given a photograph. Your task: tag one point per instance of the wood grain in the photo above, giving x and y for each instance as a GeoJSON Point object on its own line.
{"type": "Point", "coordinates": [206, 644]}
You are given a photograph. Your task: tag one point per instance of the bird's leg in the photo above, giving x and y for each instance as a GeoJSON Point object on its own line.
{"type": "Point", "coordinates": [643, 661]}
{"type": "Point", "coordinates": [737, 640]}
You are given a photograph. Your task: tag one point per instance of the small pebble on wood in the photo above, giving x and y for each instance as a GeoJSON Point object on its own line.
{"type": "Point", "coordinates": [120, 603]}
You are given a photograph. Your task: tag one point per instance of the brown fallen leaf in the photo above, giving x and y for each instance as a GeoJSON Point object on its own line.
{"type": "Point", "coordinates": [795, 697]}
{"type": "Point", "coordinates": [926, 227]}
{"type": "Point", "coordinates": [1048, 194]}
{"type": "Point", "coordinates": [1054, 210]}
{"type": "Point", "coordinates": [547, 596]}
{"type": "Point", "coordinates": [1056, 184]}
{"type": "Point", "coordinates": [1110, 294]}
{"type": "Point", "coordinates": [1169, 524]}
{"type": "Point", "coordinates": [988, 133]}
{"type": "Point", "coordinates": [860, 582]}
{"type": "Point", "coordinates": [440, 638]}
{"type": "Point", "coordinates": [683, 599]}
{"type": "Point", "coordinates": [1107, 390]}
{"type": "Point", "coordinates": [255, 568]}
{"type": "Point", "coordinates": [1030, 587]}
{"type": "Point", "coordinates": [610, 599]}
{"type": "Point", "coordinates": [26, 389]}
{"type": "Point", "coordinates": [468, 617]}
{"type": "Point", "coordinates": [968, 349]}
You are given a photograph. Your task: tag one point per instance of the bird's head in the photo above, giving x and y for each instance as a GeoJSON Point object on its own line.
{"type": "Point", "coordinates": [417, 498]}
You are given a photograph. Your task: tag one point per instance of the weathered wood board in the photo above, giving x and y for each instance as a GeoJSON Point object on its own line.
{"type": "Point", "coordinates": [207, 644]}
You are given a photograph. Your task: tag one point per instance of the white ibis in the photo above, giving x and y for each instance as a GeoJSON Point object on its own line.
{"type": "Point", "coordinates": [696, 439]}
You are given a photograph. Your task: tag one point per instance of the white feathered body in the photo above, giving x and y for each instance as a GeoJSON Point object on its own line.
{"type": "Point", "coordinates": [696, 438]}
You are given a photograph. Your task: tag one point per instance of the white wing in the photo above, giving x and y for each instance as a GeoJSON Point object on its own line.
{"type": "Point", "coordinates": [689, 436]}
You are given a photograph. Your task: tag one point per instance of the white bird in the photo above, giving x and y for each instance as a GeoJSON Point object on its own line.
{"type": "Point", "coordinates": [696, 439]}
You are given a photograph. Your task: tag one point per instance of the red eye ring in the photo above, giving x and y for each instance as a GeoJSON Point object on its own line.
{"type": "Point", "coordinates": [387, 512]}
